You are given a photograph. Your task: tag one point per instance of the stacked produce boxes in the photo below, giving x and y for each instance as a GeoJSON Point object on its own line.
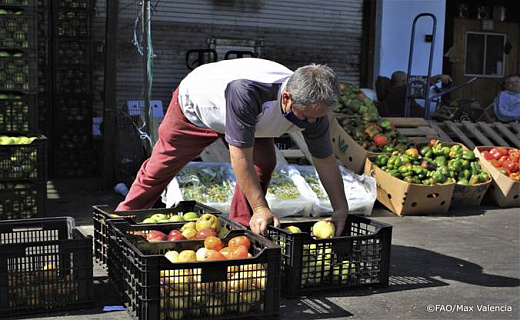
{"type": "Point", "coordinates": [71, 88]}
{"type": "Point", "coordinates": [23, 162]}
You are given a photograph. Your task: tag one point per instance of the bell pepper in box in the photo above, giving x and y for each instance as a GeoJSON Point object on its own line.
{"type": "Point", "coordinates": [413, 153]}
{"type": "Point", "coordinates": [380, 139]}
{"type": "Point", "coordinates": [515, 176]}
{"type": "Point", "coordinates": [498, 152]}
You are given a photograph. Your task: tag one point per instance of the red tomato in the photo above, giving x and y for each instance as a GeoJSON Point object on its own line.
{"type": "Point", "coordinates": [509, 165]}
{"type": "Point", "coordinates": [239, 241]}
{"type": "Point", "coordinates": [487, 155]}
{"type": "Point", "coordinates": [498, 152]}
{"type": "Point", "coordinates": [495, 163]}
{"type": "Point", "coordinates": [225, 252]}
{"type": "Point", "coordinates": [239, 252]}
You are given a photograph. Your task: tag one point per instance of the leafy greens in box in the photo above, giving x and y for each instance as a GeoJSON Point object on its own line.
{"type": "Point", "coordinates": [209, 183]}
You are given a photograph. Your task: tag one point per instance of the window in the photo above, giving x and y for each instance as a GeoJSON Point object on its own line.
{"type": "Point", "coordinates": [485, 54]}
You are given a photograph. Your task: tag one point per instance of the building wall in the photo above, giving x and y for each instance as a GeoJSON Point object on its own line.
{"type": "Point", "coordinates": [291, 32]}
{"type": "Point", "coordinates": [393, 35]}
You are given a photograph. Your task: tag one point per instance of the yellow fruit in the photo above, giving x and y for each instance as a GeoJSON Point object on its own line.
{"type": "Point", "coordinates": [323, 229]}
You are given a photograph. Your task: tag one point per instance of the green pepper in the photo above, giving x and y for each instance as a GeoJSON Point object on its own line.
{"type": "Point", "coordinates": [394, 173]}
{"type": "Point", "coordinates": [449, 180]}
{"type": "Point", "coordinates": [388, 148]}
{"type": "Point", "coordinates": [483, 176]}
{"type": "Point", "coordinates": [445, 151]}
{"type": "Point", "coordinates": [381, 160]}
{"type": "Point", "coordinates": [416, 180]}
{"type": "Point", "coordinates": [398, 162]}
{"type": "Point", "coordinates": [474, 180]}
{"type": "Point", "coordinates": [465, 174]}
{"type": "Point", "coordinates": [405, 158]}
{"type": "Point", "coordinates": [455, 165]}
{"type": "Point", "coordinates": [463, 181]}
{"type": "Point", "coordinates": [437, 150]}
{"type": "Point", "coordinates": [408, 179]}
{"type": "Point", "coordinates": [412, 153]}
{"type": "Point", "coordinates": [475, 168]}
{"type": "Point", "coordinates": [465, 164]}
{"type": "Point", "coordinates": [438, 176]}
{"type": "Point", "coordinates": [456, 147]}
{"type": "Point", "coordinates": [440, 160]}
{"type": "Point", "coordinates": [425, 150]}
{"type": "Point", "coordinates": [468, 155]}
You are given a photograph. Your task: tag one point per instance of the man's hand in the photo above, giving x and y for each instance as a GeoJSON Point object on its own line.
{"type": "Point", "coordinates": [262, 217]}
{"type": "Point", "coordinates": [339, 218]}
{"type": "Point", "coordinates": [446, 79]}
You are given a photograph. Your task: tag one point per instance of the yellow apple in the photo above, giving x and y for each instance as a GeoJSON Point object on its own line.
{"type": "Point", "coordinates": [189, 225]}
{"type": "Point", "coordinates": [323, 229]}
{"type": "Point", "coordinates": [189, 233]}
{"type": "Point", "coordinates": [293, 229]}
{"type": "Point", "coordinates": [172, 255]}
{"type": "Point", "coordinates": [187, 256]}
{"type": "Point", "coordinates": [208, 221]}
{"type": "Point", "coordinates": [201, 254]}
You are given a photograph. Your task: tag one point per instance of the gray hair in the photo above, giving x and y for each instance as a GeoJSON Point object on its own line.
{"type": "Point", "coordinates": [313, 84]}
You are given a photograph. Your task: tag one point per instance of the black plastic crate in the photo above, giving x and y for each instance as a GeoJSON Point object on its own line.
{"type": "Point", "coordinates": [23, 161]}
{"type": "Point", "coordinates": [22, 200]}
{"type": "Point", "coordinates": [361, 257]}
{"type": "Point", "coordinates": [75, 109]}
{"type": "Point", "coordinates": [119, 229]}
{"type": "Point", "coordinates": [45, 265]}
{"type": "Point", "coordinates": [71, 4]}
{"type": "Point", "coordinates": [18, 114]}
{"type": "Point", "coordinates": [72, 81]}
{"type": "Point", "coordinates": [226, 289]}
{"type": "Point", "coordinates": [71, 24]}
{"type": "Point", "coordinates": [102, 213]}
{"type": "Point", "coordinates": [18, 71]}
{"type": "Point", "coordinates": [72, 164]}
{"type": "Point", "coordinates": [18, 29]}
{"type": "Point", "coordinates": [77, 137]}
{"type": "Point", "coordinates": [18, 3]}
{"type": "Point", "coordinates": [72, 53]}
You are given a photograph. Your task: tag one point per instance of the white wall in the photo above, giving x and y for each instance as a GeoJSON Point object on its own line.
{"type": "Point", "coordinates": [393, 35]}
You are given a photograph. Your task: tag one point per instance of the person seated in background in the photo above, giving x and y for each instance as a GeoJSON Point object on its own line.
{"type": "Point", "coordinates": [507, 102]}
{"type": "Point", "coordinates": [396, 94]}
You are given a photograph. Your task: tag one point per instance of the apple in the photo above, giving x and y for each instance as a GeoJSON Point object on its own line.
{"type": "Point", "coordinates": [159, 216]}
{"type": "Point", "coordinates": [201, 254]}
{"type": "Point", "coordinates": [149, 220]}
{"type": "Point", "coordinates": [323, 229]}
{"type": "Point", "coordinates": [213, 243]}
{"type": "Point", "coordinates": [203, 234]}
{"type": "Point", "coordinates": [212, 255]}
{"type": "Point", "coordinates": [189, 225]}
{"type": "Point", "coordinates": [293, 229]}
{"type": "Point", "coordinates": [239, 241]}
{"type": "Point", "coordinates": [176, 218]}
{"type": "Point", "coordinates": [208, 221]}
{"type": "Point", "coordinates": [156, 235]}
{"type": "Point", "coordinates": [172, 255]}
{"type": "Point", "coordinates": [176, 235]}
{"type": "Point", "coordinates": [189, 233]}
{"type": "Point", "coordinates": [190, 216]}
{"type": "Point", "coordinates": [187, 256]}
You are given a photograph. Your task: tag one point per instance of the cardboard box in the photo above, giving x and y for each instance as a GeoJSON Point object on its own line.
{"type": "Point", "coordinates": [346, 149]}
{"type": "Point", "coordinates": [465, 195]}
{"type": "Point", "coordinates": [404, 198]}
{"type": "Point", "coordinates": [503, 190]}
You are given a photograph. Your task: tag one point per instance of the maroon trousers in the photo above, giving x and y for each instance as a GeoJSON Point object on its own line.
{"type": "Point", "coordinates": [180, 142]}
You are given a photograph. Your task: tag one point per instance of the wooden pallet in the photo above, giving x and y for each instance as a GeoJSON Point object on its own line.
{"type": "Point", "coordinates": [417, 130]}
{"type": "Point", "coordinates": [473, 134]}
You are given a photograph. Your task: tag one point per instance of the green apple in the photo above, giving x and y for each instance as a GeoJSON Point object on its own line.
{"type": "Point", "coordinates": [323, 229]}
{"type": "Point", "coordinates": [149, 220]}
{"type": "Point", "coordinates": [176, 218]}
{"type": "Point", "coordinates": [159, 216]}
{"type": "Point", "coordinates": [190, 216]}
{"type": "Point", "coordinates": [293, 229]}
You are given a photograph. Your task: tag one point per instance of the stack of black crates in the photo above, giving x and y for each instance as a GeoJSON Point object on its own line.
{"type": "Point", "coordinates": [65, 85]}
{"type": "Point", "coordinates": [72, 88]}
{"type": "Point", "coordinates": [23, 157]}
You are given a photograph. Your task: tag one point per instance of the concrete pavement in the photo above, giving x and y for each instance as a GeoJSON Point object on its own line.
{"type": "Point", "coordinates": [461, 265]}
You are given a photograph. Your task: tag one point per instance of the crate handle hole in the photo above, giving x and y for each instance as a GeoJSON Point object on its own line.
{"type": "Point", "coordinates": [433, 195]}
{"type": "Point", "coordinates": [350, 159]}
{"type": "Point", "coordinates": [443, 203]}
{"type": "Point", "coordinates": [389, 196]}
{"type": "Point", "coordinates": [515, 196]}
{"type": "Point", "coordinates": [414, 204]}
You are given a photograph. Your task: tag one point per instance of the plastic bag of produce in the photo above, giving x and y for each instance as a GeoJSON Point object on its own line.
{"type": "Point", "coordinates": [210, 183]}
{"type": "Point", "coordinates": [360, 190]}
{"type": "Point", "coordinates": [288, 193]}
